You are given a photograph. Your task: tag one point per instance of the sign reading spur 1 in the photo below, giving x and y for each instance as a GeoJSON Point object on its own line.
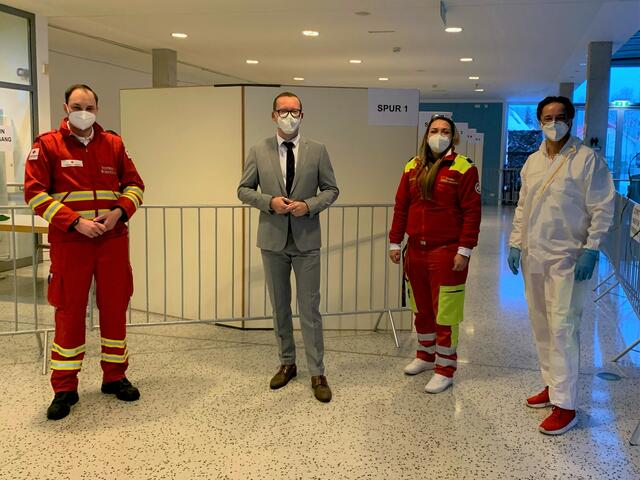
{"type": "Point", "coordinates": [393, 106]}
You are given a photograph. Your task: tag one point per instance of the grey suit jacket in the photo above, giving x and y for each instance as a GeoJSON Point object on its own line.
{"type": "Point", "coordinates": [314, 183]}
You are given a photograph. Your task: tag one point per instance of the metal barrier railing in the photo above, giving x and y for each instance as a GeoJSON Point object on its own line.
{"type": "Point", "coordinates": [199, 264]}
{"type": "Point", "coordinates": [622, 248]}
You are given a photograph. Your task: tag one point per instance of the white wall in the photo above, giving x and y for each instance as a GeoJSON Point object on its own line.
{"type": "Point", "coordinates": [107, 68]}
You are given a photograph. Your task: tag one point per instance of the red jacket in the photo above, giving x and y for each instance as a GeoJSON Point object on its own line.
{"type": "Point", "coordinates": [452, 216]}
{"type": "Point", "coordinates": [65, 179]}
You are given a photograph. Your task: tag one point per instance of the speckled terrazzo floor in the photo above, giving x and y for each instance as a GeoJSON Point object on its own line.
{"type": "Point", "coordinates": [206, 410]}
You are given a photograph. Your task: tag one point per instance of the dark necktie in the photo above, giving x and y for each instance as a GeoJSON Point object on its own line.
{"type": "Point", "coordinates": [291, 166]}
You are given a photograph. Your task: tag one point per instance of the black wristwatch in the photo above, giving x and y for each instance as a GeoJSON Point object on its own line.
{"type": "Point", "coordinates": [75, 223]}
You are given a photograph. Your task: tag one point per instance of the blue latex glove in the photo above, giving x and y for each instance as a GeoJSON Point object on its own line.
{"type": "Point", "coordinates": [585, 264]}
{"type": "Point", "coordinates": [514, 260]}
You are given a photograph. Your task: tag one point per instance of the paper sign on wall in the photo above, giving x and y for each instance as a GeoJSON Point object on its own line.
{"type": "Point", "coordinates": [393, 107]}
{"type": "Point", "coordinates": [635, 223]}
{"type": "Point", "coordinates": [6, 138]}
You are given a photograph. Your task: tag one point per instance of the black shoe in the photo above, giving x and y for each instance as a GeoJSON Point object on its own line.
{"type": "Point", "coordinates": [122, 389]}
{"type": "Point", "coordinates": [61, 405]}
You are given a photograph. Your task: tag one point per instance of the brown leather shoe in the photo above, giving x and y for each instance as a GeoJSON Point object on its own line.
{"type": "Point", "coordinates": [285, 373]}
{"type": "Point", "coordinates": [321, 388]}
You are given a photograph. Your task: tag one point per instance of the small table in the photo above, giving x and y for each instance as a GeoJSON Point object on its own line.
{"type": "Point", "coordinates": [25, 223]}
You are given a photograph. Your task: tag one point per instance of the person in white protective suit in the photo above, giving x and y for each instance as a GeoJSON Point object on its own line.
{"type": "Point", "coordinates": [563, 214]}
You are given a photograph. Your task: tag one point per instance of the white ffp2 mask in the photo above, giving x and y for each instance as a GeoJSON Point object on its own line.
{"type": "Point", "coordinates": [82, 119]}
{"type": "Point", "coordinates": [288, 124]}
{"type": "Point", "coordinates": [439, 143]}
{"type": "Point", "coordinates": [555, 131]}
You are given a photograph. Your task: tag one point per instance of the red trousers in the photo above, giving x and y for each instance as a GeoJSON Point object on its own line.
{"type": "Point", "coordinates": [438, 296]}
{"type": "Point", "coordinates": [73, 266]}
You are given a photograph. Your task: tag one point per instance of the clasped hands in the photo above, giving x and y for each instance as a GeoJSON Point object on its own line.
{"type": "Point", "coordinates": [284, 205]}
{"type": "Point", "coordinates": [99, 225]}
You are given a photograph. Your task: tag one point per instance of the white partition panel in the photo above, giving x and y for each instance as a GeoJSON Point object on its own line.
{"type": "Point", "coordinates": [187, 145]}
{"type": "Point", "coordinates": [368, 163]}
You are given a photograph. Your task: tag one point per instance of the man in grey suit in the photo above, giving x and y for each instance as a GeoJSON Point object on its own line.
{"type": "Point", "coordinates": [296, 183]}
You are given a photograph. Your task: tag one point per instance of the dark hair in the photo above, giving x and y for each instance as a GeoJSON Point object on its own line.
{"type": "Point", "coordinates": [286, 94]}
{"type": "Point", "coordinates": [569, 109]}
{"type": "Point", "coordinates": [78, 86]}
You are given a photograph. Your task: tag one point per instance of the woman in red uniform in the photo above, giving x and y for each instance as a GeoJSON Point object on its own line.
{"type": "Point", "coordinates": [438, 207]}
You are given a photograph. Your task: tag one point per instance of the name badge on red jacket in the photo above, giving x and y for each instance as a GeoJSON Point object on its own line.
{"type": "Point", "coordinates": [71, 163]}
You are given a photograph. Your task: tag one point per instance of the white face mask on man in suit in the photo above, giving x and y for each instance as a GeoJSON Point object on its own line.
{"type": "Point", "coordinates": [288, 124]}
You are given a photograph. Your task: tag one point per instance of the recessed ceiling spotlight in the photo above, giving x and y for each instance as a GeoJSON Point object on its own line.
{"type": "Point", "coordinates": [179, 35]}
{"type": "Point", "coordinates": [453, 29]}
{"type": "Point", "coordinates": [252, 62]}
{"type": "Point", "coordinates": [298, 79]}
{"type": "Point", "coordinates": [466, 59]}
{"type": "Point", "coordinates": [479, 89]}
{"type": "Point", "coordinates": [355, 61]}
{"type": "Point", "coordinates": [362, 13]}
{"type": "Point", "coordinates": [473, 77]}
{"type": "Point", "coordinates": [310, 33]}
{"type": "Point", "coordinates": [383, 79]}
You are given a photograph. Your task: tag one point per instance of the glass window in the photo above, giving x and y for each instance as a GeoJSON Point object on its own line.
{"type": "Point", "coordinates": [14, 39]}
{"type": "Point", "coordinates": [15, 121]}
{"type": "Point", "coordinates": [630, 154]}
{"type": "Point", "coordinates": [624, 84]}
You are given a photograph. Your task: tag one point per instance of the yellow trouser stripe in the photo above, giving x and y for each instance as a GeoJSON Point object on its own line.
{"type": "Point", "coordinates": [67, 352]}
{"type": "Point", "coordinates": [39, 199]}
{"type": "Point", "coordinates": [51, 210]}
{"type": "Point", "coordinates": [113, 358]}
{"type": "Point", "coordinates": [108, 342]}
{"type": "Point", "coordinates": [66, 364]}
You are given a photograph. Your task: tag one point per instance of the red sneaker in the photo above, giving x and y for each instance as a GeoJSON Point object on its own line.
{"type": "Point", "coordinates": [539, 400]}
{"type": "Point", "coordinates": [560, 421]}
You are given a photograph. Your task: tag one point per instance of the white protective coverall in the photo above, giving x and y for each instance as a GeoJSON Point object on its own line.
{"type": "Point", "coordinates": [566, 204]}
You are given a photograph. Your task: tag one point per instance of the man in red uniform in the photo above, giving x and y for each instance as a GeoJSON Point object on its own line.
{"type": "Point", "coordinates": [438, 207]}
{"type": "Point", "coordinates": [80, 179]}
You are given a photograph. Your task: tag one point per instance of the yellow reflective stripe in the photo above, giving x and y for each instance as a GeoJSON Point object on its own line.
{"type": "Point", "coordinates": [112, 358]}
{"type": "Point", "coordinates": [137, 190]}
{"type": "Point", "coordinates": [103, 210]}
{"type": "Point", "coordinates": [39, 199]}
{"type": "Point", "coordinates": [105, 195]}
{"type": "Point", "coordinates": [67, 352]}
{"type": "Point", "coordinates": [52, 210]}
{"type": "Point", "coordinates": [461, 164]}
{"type": "Point", "coordinates": [411, 164]}
{"type": "Point", "coordinates": [59, 195]}
{"type": "Point", "coordinates": [107, 342]}
{"type": "Point", "coordinates": [66, 364]}
{"type": "Point", "coordinates": [90, 214]}
{"type": "Point", "coordinates": [80, 196]}
{"type": "Point", "coordinates": [133, 198]}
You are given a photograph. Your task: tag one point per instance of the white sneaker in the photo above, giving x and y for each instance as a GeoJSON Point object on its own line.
{"type": "Point", "coordinates": [438, 383]}
{"type": "Point", "coordinates": [417, 366]}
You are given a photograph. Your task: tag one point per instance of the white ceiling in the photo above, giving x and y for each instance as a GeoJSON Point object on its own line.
{"type": "Point", "coordinates": [522, 49]}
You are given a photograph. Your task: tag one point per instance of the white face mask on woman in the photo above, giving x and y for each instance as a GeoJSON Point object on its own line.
{"type": "Point", "coordinates": [555, 131]}
{"type": "Point", "coordinates": [438, 143]}
{"type": "Point", "coordinates": [81, 119]}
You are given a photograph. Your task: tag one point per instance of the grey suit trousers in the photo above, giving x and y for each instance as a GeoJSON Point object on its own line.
{"type": "Point", "coordinates": [306, 266]}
